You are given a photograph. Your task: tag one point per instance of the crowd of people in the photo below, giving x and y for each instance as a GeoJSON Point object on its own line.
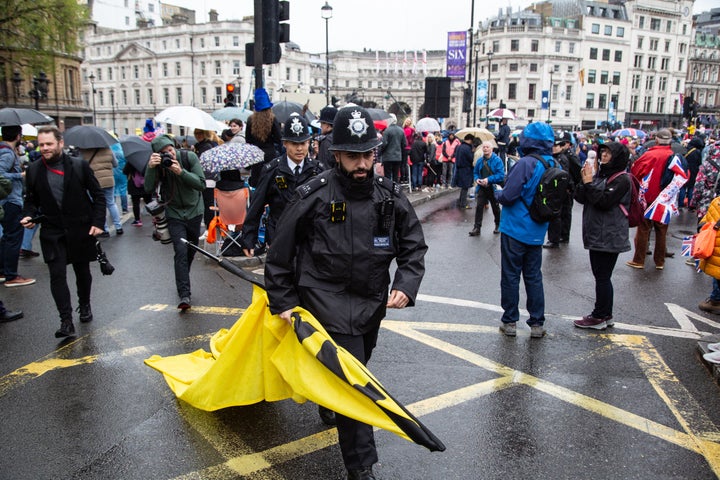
{"type": "Point", "coordinates": [327, 205]}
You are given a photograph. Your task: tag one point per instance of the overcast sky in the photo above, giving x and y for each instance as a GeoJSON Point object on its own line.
{"type": "Point", "coordinates": [392, 25]}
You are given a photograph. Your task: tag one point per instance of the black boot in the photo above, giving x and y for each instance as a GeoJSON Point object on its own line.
{"type": "Point", "coordinates": [327, 416]}
{"type": "Point", "coordinates": [85, 313]}
{"type": "Point", "coordinates": [67, 329]}
{"type": "Point", "coordinates": [364, 473]}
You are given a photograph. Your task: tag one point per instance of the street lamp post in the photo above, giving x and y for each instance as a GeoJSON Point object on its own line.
{"type": "Point", "coordinates": [326, 13]}
{"type": "Point", "coordinates": [550, 92]}
{"type": "Point", "coordinates": [112, 105]}
{"type": "Point", "coordinates": [477, 52]}
{"type": "Point", "coordinates": [487, 104]}
{"type": "Point", "coordinates": [91, 77]}
{"type": "Point", "coordinates": [40, 88]}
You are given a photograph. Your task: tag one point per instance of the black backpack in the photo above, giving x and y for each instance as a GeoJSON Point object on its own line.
{"type": "Point", "coordinates": [551, 193]}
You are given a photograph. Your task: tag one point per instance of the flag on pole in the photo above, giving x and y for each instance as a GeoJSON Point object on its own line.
{"type": "Point", "coordinates": [414, 69]}
{"type": "Point", "coordinates": [405, 61]}
{"type": "Point", "coordinates": [377, 61]}
{"type": "Point", "coordinates": [424, 61]}
{"type": "Point", "coordinates": [387, 62]}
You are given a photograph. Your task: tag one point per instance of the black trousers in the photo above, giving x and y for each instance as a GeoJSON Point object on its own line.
{"type": "Point", "coordinates": [59, 286]}
{"type": "Point", "coordinates": [483, 196]}
{"type": "Point", "coordinates": [602, 265]}
{"type": "Point", "coordinates": [357, 441]}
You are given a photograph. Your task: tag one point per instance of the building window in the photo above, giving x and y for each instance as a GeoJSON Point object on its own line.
{"type": "Point", "coordinates": [636, 81]}
{"type": "Point", "coordinates": [590, 100]}
{"type": "Point", "coordinates": [568, 93]}
{"type": "Point", "coordinates": [236, 67]}
{"type": "Point", "coordinates": [101, 98]}
{"type": "Point", "coordinates": [218, 67]}
{"type": "Point", "coordinates": [531, 113]}
{"type": "Point", "coordinates": [236, 41]}
{"type": "Point", "coordinates": [661, 103]}
{"type": "Point", "coordinates": [177, 43]}
{"type": "Point", "coordinates": [595, 28]}
{"type": "Point", "coordinates": [649, 82]}
{"type": "Point", "coordinates": [616, 78]}
{"type": "Point", "coordinates": [496, 46]}
{"type": "Point", "coordinates": [571, 48]}
{"type": "Point", "coordinates": [122, 73]}
{"type": "Point", "coordinates": [608, 30]}
{"type": "Point", "coordinates": [534, 46]}
{"type": "Point", "coordinates": [127, 21]}
{"type": "Point", "coordinates": [166, 96]}
{"type": "Point", "coordinates": [202, 69]}
{"type": "Point", "coordinates": [593, 54]}
{"type": "Point", "coordinates": [136, 72]}
{"type": "Point", "coordinates": [554, 92]}
{"type": "Point", "coordinates": [202, 42]}
{"type": "Point", "coordinates": [287, 75]}
{"type": "Point", "coordinates": [218, 95]}
{"type": "Point", "coordinates": [151, 96]}
{"type": "Point", "coordinates": [110, 75]}
{"type": "Point", "coordinates": [514, 45]}
{"type": "Point", "coordinates": [178, 70]}
{"type": "Point", "coordinates": [647, 104]}
{"type": "Point", "coordinates": [604, 76]}
{"type": "Point", "coordinates": [567, 113]}
{"type": "Point", "coordinates": [665, 64]}
{"type": "Point", "coordinates": [124, 97]}
{"type": "Point", "coordinates": [602, 101]}
{"type": "Point", "coordinates": [151, 7]}
{"type": "Point", "coordinates": [634, 103]}
{"type": "Point", "coordinates": [533, 67]}
{"type": "Point", "coordinates": [620, 31]}
{"type": "Point", "coordinates": [164, 44]}
{"type": "Point", "coordinates": [662, 84]}
{"type": "Point", "coordinates": [655, 24]}
{"type": "Point", "coordinates": [531, 91]}
{"type": "Point", "coordinates": [203, 95]}
{"type": "Point", "coordinates": [571, 68]}
{"type": "Point", "coordinates": [618, 56]}
{"type": "Point", "coordinates": [591, 76]}
{"type": "Point", "coordinates": [178, 93]}
{"type": "Point", "coordinates": [640, 42]}
{"type": "Point", "coordinates": [136, 92]}
{"type": "Point", "coordinates": [652, 61]}
{"type": "Point", "coordinates": [217, 41]}
{"type": "Point", "coordinates": [638, 61]}
{"type": "Point", "coordinates": [667, 46]}
{"type": "Point", "coordinates": [512, 91]}
{"type": "Point", "coordinates": [606, 55]}
{"type": "Point", "coordinates": [681, 64]}
{"type": "Point", "coordinates": [165, 69]}
{"type": "Point", "coordinates": [684, 29]}
{"type": "Point", "coordinates": [654, 44]}
{"type": "Point", "coordinates": [149, 71]}
{"type": "Point", "coordinates": [99, 75]}
{"type": "Point", "coordinates": [513, 67]}
{"type": "Point", "coordinates": [299, 78]}
{"type": "Point", "coordinates": [558, 46]}
{"type": "Point", "coordinates": [669, 26]}
{"type": "Point", "coordinates": [556, 68]}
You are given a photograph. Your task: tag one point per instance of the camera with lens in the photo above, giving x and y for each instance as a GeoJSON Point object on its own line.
{"type": "Point", "coordinates": [166, 160]}
{"type": "Point", "coordinates": [161, 232]}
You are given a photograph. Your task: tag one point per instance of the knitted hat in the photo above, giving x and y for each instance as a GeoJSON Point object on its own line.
{"type": "Point", "coordinates": [262, 100]}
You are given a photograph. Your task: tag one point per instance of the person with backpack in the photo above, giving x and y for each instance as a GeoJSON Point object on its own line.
{"type": "Point", "coordinates": [605, 225]}
{"type": "Point", "coordinates": [521, 236]}
{"type": "Point", "coordinates": [180, 179]}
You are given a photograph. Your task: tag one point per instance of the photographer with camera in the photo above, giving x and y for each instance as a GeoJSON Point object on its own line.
{"type": "Point", "coordinates": [65, 198]}
{"type": "Point", "coordinates": [179, 180]}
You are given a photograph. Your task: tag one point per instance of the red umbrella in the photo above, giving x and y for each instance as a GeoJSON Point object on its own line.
{"type": "Point", "coordinates": [502, 113]}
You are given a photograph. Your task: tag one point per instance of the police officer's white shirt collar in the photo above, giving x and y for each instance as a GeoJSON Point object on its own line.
{"type": "Point", "coordinates": [291, 165]}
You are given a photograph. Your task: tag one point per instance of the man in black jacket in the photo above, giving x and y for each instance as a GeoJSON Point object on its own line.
{"type": "Point", "coordinates": [331, 255]}
{"type": "Point", "coordinates": [65, 192]}
{"type": "Point", "coordinates": [280, 177]}
{"type": "Point", "coordinates": [325, 140]}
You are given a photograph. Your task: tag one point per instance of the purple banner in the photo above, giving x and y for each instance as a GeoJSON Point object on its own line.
{"type": "Point", "coordinates": [456, 55]}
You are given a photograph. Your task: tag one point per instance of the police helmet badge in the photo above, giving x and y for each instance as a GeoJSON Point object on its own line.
{"type": "Point", "coordinates": [357, 125]}
{"type": "Point", "coordinates": [296, 127]}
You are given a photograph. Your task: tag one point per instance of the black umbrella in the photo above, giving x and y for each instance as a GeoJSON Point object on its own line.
{"type": "Point", "coordinates": [137, 152]}
{"type": "Point", "coordinates": [284, 109]}
{"type": "Point", "coordinates": [88, 136]}
{"type": "Point", "coordinates": [378, 113]}
{"type": "Point", "coordinates": [21, 116]}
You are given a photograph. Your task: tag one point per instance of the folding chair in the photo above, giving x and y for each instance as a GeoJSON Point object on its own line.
{"type": "Point", "coordinates": [231, 202]}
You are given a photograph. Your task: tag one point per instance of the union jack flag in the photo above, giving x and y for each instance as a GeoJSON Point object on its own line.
{"type": "Point", "coordinates": [686, 246]}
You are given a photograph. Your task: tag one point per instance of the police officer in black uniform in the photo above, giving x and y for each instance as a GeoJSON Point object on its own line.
{"type": "Point", "coordinates": [278, 181]}
{"type": "Point", "coordinates": [331, 254]}
{"type": "Point", "coordinates": [325, 139]}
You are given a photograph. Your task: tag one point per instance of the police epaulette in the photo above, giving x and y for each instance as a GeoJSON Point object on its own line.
{"type": "Point", "coordinates": [393, 187]}
{"type": "Point", "coordinates": [272, 164]}
{"type": "Point", "coordinates": [310, 186]}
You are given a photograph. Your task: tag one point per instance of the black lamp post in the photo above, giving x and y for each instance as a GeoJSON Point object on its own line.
{"type": "Point", "coordinates": [487, 105]}
{"type": "Point", "coordinates": [91, 77]}
{"type": "Point", "coordinates": [550, 92]}
{"type": "Point", "coordinates": [326, 13]}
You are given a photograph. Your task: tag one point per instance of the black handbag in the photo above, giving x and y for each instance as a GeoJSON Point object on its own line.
{"type": "Point", "coordinates": [105, 266]}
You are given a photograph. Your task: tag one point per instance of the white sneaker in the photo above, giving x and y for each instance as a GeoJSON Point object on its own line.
{"type": "Point", "coordinates": [203, 236]}
{"type": "Point", "coordinates": [712, 357]}
{"type": "Point", "coordinates": [714, 347]}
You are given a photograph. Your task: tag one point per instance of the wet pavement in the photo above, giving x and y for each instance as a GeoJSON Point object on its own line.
{"type": "Point", "coordinates": [629, 402]}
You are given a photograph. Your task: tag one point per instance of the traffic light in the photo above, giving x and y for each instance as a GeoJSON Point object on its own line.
{"type": "Point", "coordinates": [275, 32]}
{"type": "Point", "coordinates": [229, 94]}
{"type": "Point", "coordinates": [467, 100]}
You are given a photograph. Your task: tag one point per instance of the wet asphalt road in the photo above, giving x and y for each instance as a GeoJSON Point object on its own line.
{"type": "Point", "coordinates": [629, 402]}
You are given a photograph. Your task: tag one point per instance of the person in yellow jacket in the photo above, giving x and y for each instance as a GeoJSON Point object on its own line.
{"type": "Point", "coordinates": [711, 265]}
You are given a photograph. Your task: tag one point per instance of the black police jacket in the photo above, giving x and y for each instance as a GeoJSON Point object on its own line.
{"type": "Point", "coordinates": [333, 248]}
{"type": "Point", "coordinates": [276, 187]}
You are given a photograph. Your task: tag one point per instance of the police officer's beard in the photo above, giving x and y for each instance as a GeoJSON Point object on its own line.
{"type": "Point", "coordinates": [351, 175]}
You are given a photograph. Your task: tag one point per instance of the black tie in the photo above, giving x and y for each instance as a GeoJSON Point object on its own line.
{"type": "Point", "coordinates": [297, 170]}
